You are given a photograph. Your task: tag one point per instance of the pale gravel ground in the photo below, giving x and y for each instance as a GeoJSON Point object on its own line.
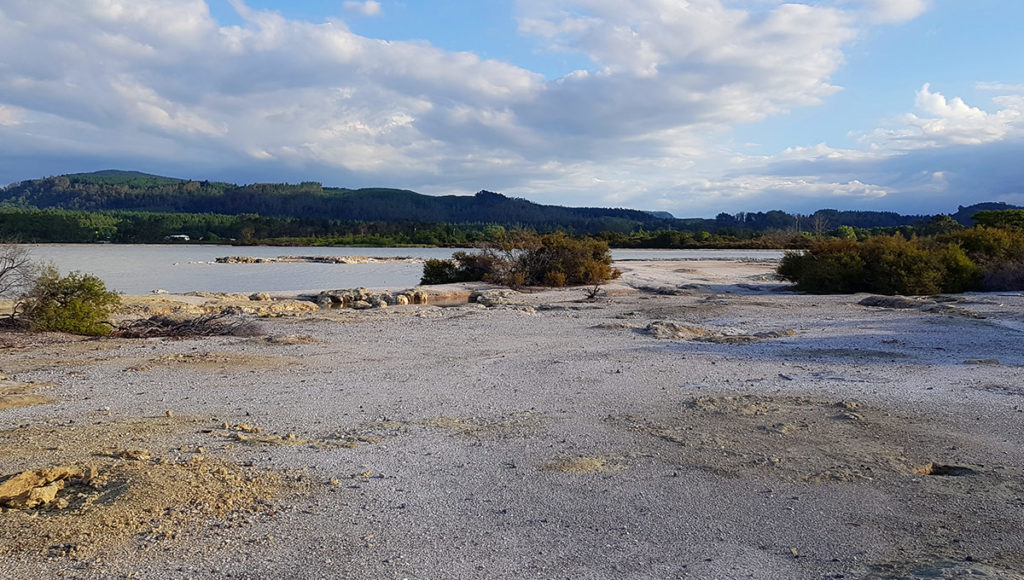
{"type": "Point", "coordinates": [548, 384]}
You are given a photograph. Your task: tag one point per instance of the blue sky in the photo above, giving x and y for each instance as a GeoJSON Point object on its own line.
{"type": "Point", "coordinates": [692, 107]}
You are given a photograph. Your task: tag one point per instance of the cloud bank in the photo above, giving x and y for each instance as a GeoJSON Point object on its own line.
{"type": "Point", "coordinates": [159, 85]}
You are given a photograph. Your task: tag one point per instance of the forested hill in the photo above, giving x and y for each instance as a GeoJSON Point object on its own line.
{"type": "Point", "coordinates": [129, 191]}
{"type": "Point", "coordinates": [120, 190]}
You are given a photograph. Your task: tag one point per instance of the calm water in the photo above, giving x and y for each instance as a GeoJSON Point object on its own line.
{"type": "Point", "coordinates": [140, 269]}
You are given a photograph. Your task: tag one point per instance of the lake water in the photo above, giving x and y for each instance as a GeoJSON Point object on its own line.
{"type": "Point", "coordinates": [140, 269]}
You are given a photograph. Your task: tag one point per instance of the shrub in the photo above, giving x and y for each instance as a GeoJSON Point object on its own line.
{"type": "Point", "coordinates": [882, 265]}
{"type": "Point", "coordinates": [563, 261]}
{"type": "Point", "coordinates": [999, 252]}
{"type": "Point", "coordinates": [988, 245]}
{"type": "Point", "coordinates": [77, 303]}
{"type": "Point", "coordinates": [894, 265]}
{"type": "Point", "coordinates": [516, 260]}
{"type": "Point", "coordinates": [834, 266]}
{"type": "Point", "coordinates": [437, 271]}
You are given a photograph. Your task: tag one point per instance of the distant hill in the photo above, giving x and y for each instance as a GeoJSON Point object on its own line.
{"type": "Point", "coordinates": [127, 190]}
{"type": "Point", "coordinates": [116, 190]}
{"type": "Point", "coordinates": [662, 214]}
{"type": "Point", "coordinates": [965, 215]}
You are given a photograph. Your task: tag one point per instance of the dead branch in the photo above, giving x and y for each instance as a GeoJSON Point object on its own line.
{"type": "Point", "coordinates": [217, 324]}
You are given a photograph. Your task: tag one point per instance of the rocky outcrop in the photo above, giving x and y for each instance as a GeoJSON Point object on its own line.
{"type": "Point", "coordinates": [362, 298]}
{"type": "Point", "coordinates": [668, 330]}
{"type": "Point", "coordinates": [30, 489]}
{"type": "Point", "coordinates": [495, 297]}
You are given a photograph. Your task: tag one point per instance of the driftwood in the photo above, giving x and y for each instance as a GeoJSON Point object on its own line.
{"type": "Point", "coordinates": [217, 324]}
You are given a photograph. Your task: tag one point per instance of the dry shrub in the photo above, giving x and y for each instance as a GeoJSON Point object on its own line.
{"type": "Point", "coordinates": [217, 324]}
{"type": "Point", "coordinates": [523, 259]}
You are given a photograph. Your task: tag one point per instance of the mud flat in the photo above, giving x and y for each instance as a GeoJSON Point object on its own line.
{"type": "Point", "coordinates": [696, 420]}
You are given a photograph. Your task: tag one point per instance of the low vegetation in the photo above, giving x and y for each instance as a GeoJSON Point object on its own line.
{"type": "Point", "coordinates": [526, 259]}
{"type": "Point", "coordinates": [46, 301]}
{"type": "Point", "coordinates": [954, 259]}
{"type": "Point", "coordinates": [77, 303]}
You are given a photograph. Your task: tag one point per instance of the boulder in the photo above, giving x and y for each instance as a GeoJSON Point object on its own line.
{"type": "Point", "coordinates": [495, 297]}
{"type": "Point", "coordinates": [666, 330]}
{"type": "Point", "coordinates": [38, 487]}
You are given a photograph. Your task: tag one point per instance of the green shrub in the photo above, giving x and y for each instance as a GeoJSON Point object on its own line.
{"type": "Point", "coordinates": [833, 266]}
{"type": "Point", "coordinates": [894, 265]}
{"type": "Point", "coordinates": [77, 303]}
{"type": "Point", "coordinates": [881, 265]}
{"type": "Point", "coordinates": [436, 271]}
{"type": "Point", "coordinates": [999, 252]}
{"type": "Point", "coordinates": [559, 260]}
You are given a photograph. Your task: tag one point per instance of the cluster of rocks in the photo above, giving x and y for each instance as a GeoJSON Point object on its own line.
{"type": "Point", "coordinates": [361, 298]}
{"type": "Point", "coordinates": [31, 489]}
{"type": "Point", "coordinates": [311, 259]}
{"type": "Point", "coordinates": [495, 297]}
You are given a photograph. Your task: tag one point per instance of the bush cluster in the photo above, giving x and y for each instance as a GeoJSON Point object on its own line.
{"type": "Point", "coordinates": [882, 265]}
{"type": "Point", "coordinates": [999, 252]}
{"type": "Point", "coordinates": [528, 260]}
{"type": "Point", "coordinates": [979, 258]}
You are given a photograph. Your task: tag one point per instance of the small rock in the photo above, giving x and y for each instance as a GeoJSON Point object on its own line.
{"type": "Point", "coordinates": [897, 302]}
{"type": "Point", "coordinates": [981, 361]}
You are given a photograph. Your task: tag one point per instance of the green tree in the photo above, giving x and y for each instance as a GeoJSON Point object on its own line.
{"type": "Point", "coordinates": [1008, 219]}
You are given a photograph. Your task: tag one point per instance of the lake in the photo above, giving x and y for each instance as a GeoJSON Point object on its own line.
{"type": "Point", "coordinates": [140, 269]}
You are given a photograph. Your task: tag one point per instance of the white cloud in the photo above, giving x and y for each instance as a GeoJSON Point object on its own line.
{"type": "Point", "coordinates": [11, 116]}
{"type": "Point", "coordinates": [941, 122]}
{"type": "Point", "coordinates": [999, 87]}
{"type": "Point", "coordinates": [893, 11]}
{"type": "Point", "coordinates": [367, 8]}
{"type": "Point", "coordinates": [755, 190]}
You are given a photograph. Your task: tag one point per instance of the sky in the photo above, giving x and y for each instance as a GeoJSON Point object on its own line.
{"type": "Point", "coordinates": [694, 107]}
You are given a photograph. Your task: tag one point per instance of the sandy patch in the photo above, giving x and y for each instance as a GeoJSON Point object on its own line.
{"type": "Point", "coordinates": [213, 361]}
{"type": "Point", "coordinates": [15, 394]}
{"type": "Point", "coordinates": [137, 501]}
{"type": "Point", "coordinates": [791, 438]}
{"type": "Point", "coordinates": [114, 492]}
{"type": "Point", "coordinates": [583, 465]}
{"type": "Point", "coordinates": [513, 425]}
